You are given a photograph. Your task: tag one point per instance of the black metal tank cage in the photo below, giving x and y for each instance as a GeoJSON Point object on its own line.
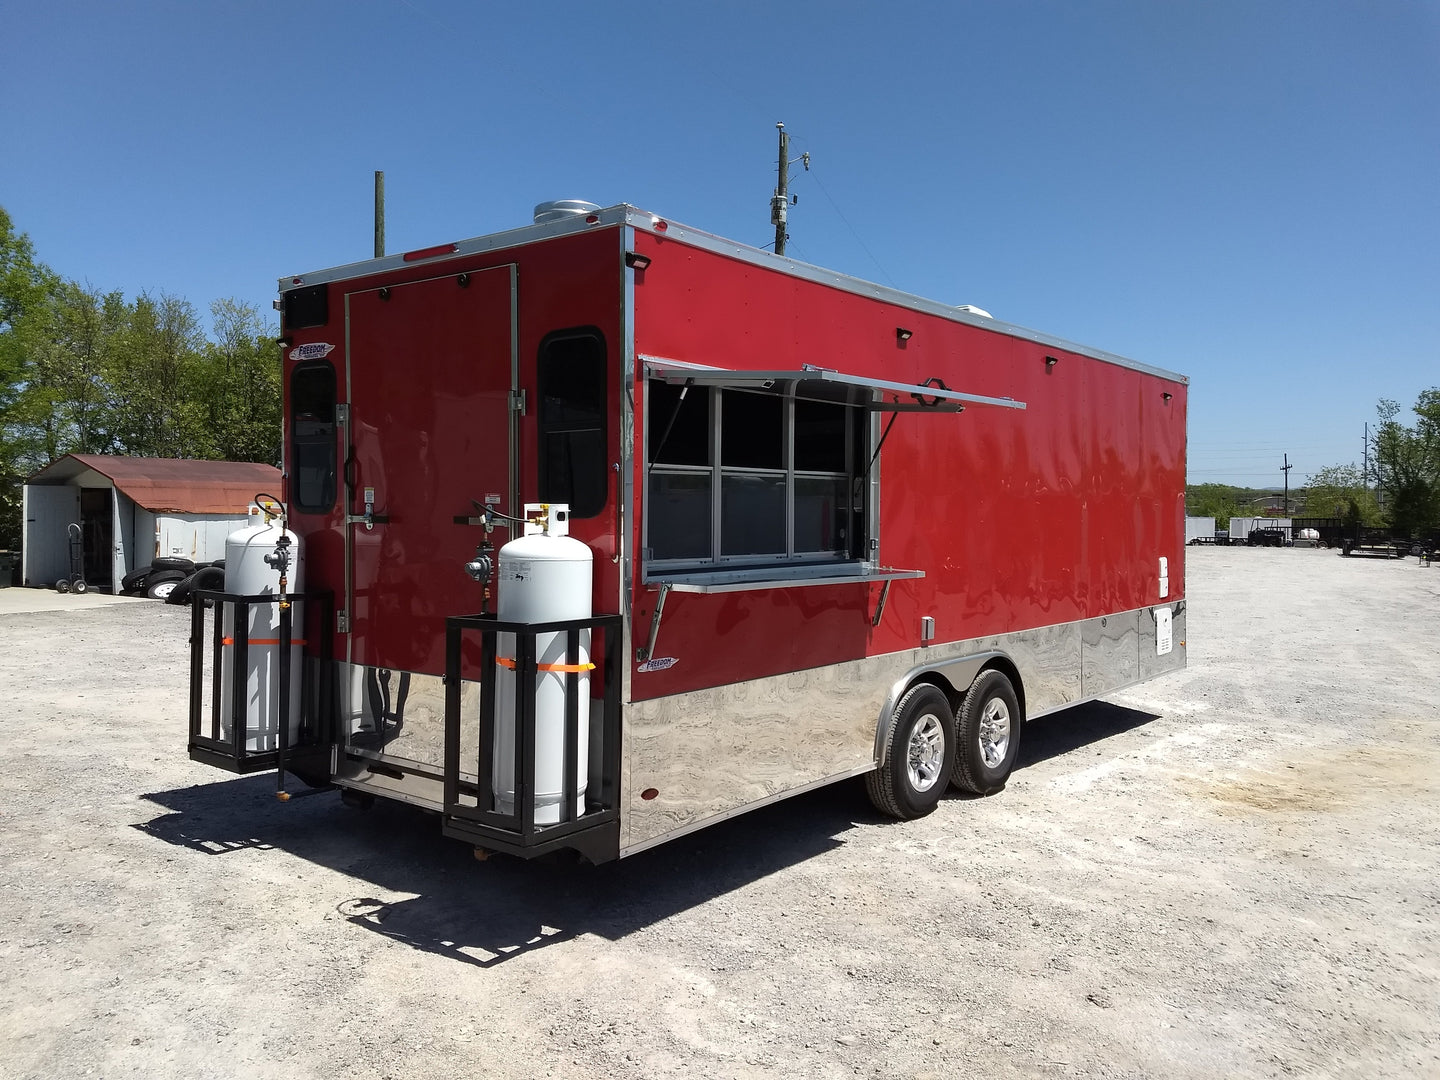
{"type": "Point", "coordinates": [309, 758]}
{"type": "Point", "coordinates": [470, 806]}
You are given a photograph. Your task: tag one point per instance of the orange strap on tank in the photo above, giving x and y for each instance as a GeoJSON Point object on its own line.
{"type": "Point", "coordinates": [265, 641]}
{"type": "Point", "coordinates": [509, 662]}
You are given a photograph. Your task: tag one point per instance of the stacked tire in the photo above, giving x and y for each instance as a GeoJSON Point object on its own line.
{"type": "Point", "coordinates": [170, 575]}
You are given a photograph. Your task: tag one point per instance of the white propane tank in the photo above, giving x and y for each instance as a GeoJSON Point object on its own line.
{"type": "Point", "coordinates": [248, 574]}
{"type": "Point", "coordinates": [544, 576]}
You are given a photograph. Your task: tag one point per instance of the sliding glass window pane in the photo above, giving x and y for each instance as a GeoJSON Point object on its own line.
{"type": "Point", "coordinates": [688, 441]}
{"type": "Point", "coordinates": [752, 515]}
{"type": "Point", "coordinates": [752, 430]}
{"type": "Point", "coordinates": [819, 436]}
{"type": "Point", "coordinates": [822, 514]}
{"type": "Point", "coordinates": [679, 515]}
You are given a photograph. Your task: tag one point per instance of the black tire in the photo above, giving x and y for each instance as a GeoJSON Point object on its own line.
{"type": "Point", "coordinates": [173, 562]}
{"type": "Point", "coordinates": [180, 594]}
{"type": "Point", "coordinates": [63, 585]}
{"type": "Point", "coordinates": [919, 755]}
{"type": "Point", "coordinates": [79, 587]}
{"type": "Point", "coordinates": [135, 580]}
{"type": "Point", "coordinates": [162, 583]}
{"type": "Point", "coordinates": [207, 577]}
{"type": "Point", "coordinates": [987, 739]}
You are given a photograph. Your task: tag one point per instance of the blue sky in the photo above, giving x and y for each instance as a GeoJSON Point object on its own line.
{"type": "Point", "coordinates": [1247, 193]}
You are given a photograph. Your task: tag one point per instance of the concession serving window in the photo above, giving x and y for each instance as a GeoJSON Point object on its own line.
{"type": "Point", "coordinates": [767, 479]}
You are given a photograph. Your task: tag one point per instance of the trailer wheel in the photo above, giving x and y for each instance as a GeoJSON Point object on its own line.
{"type": "Point", "coordinates": [63, 585]}
{"type": "Point", "coordinates": [987, 734]}
{"type": "Point", "coordinates": [162, 583]}
{"type": "Point", "coordinates": [919, 755]}
{"type": "Point", "coordinates": [79, 587]}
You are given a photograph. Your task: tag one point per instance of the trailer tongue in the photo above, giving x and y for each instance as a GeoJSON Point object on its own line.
{"type": "Point", "coordinates": [729, 569]}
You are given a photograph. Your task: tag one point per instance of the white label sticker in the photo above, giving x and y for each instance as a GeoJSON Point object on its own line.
{"type": "Point", "coordinates": [492, 500]}
{"type": "Point", "coordinates": [660, 663]}
{"type": "Point", "coordinates": [516, 569]}
{"type": "Point", "coordinates": [1164, 639]}
{"type": "Point", "coordinates": [315, 351]}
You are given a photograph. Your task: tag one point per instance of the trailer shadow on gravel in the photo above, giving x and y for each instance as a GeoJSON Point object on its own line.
{"type": "Point", "coordinates": [483, 913]}
{"type": "Point", "coordinates": [1069, 729]}
{"type": "Point", "coordinates": [486, 913]}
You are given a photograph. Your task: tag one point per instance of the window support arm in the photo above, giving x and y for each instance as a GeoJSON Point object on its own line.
{"type": "Point", "coordinates": [654, 455]}
{"type": "Point", "coordinates": [860, 480]}
{"type": "Point", "coordinates": [647, 651]}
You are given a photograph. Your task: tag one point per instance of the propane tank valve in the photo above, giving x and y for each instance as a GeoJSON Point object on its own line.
{"type": "Point", "coordinates": [280, 562]}
{"type": "Point", "coordinates": [482, 566]}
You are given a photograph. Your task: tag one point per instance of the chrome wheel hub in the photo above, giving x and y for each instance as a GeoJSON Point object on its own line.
{"type": "Point", "coordinates": [926, 753]}
{"type": "Point", "coordinates": [994, 733]}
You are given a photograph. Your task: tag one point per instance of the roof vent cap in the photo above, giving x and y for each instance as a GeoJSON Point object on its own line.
{"type": "Point", "coordinates": [560, 209]}
{"type": "Point", "coordinates": [971, 309]}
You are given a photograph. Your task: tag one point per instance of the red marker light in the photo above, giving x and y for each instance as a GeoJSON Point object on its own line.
{"type": "Point", "coordinates": [592, 219]}
{"type": "Point", "coordinates": [429, 253]}
{"type": "Point", "coordinates": [661, 226]}
{"type": "Point", "coordinates": [649, 793]}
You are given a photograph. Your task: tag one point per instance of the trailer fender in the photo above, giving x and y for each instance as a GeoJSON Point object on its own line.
{"type": "Point", "coordinates": [954, 677]}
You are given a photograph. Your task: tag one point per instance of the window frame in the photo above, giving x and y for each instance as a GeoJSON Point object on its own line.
{"type": "Point", "coordinates": [858, 435]}
{"type": "Point", "coordinates": [542, 431]}
{"type": "Point", "coordinates": [293, 459]}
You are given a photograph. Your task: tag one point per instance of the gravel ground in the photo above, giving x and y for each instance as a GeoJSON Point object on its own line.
{"type": "Point", "coordinates": [1229, 871]}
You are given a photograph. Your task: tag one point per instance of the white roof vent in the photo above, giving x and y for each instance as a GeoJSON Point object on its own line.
{"type": "Point", "coordinates": [560, 209]}
{"type": "Point", "coordinates": [971, 309]}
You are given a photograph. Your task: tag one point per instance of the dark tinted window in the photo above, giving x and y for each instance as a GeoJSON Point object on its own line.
{"type": "Point", "coordinates": [820, 436]}
{"type": "Point", "coordinates": [678, 432]}
{"type": "Point", "coordinates": [312, 431]}
{"type": "Point", "coordinates": [752, 430]}
{"type": "Point", "coordinates": [574, 465]}
{"type": "Point", "coordinates": [309, 306]}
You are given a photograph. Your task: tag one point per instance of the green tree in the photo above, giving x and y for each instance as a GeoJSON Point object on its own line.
{"type": "Point", "coordinates": [1220, 501]}
{"type": "Point", "coordinates": [156, 380]}
{"type": "Point", "coordinates": [25, 287]}
{"type": "Point", "coordinates": [67, 404]}
{"type": "Point", "coordinates": [1340, 491]}
{"type": "Point", "coordinates": [241, 385]}
{"type": "Point", "coordinates": [1407, 464]}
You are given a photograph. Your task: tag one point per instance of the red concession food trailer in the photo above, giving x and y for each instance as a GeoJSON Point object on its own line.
{"type": "Point", "coordinates": [604, 529]}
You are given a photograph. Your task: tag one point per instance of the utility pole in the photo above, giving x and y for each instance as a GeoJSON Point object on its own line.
{"type": "Point", "coordinates": [781, 202]}
{"type": "Point", "coordinates": [379, 214]}
{"type": "Point", "coordinates": [1286, 470]}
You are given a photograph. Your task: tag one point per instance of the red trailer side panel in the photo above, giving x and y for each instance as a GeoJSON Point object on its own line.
{"type": "Point", "coordinates": [1019, 519]}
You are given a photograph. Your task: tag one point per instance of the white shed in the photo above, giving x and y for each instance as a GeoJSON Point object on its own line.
{"type": "Point", "coordinates": [130, 510]}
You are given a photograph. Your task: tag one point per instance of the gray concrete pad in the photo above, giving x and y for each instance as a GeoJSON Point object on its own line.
{"type": "Point", "coordinates": [14, 601]}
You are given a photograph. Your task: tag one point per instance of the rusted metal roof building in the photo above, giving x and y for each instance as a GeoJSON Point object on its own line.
{"type": "Point", "coordinates": [131, 510]}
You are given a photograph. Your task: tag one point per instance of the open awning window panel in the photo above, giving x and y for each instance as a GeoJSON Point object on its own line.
{"type": "Point", "coordinates": [826, 384]}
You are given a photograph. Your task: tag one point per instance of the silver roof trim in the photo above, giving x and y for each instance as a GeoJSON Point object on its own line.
{"type": "Point", "coordinates": [625, 214]}
{"type": "Point", "coordinates": [706, 375]}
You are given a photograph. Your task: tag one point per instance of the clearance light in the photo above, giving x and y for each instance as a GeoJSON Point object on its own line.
{"type": "Point", "coordinates": [649, 793]}
{"type": "Point", "coordinates": [660, 224]}
{"type": "Point", "coordinates": [592, 219]}
{"type": "Point", "coordinates": [429, 253]}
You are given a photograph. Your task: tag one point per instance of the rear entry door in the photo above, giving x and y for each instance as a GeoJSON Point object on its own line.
{"type": "Point", "coordinates": [431, 379]}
